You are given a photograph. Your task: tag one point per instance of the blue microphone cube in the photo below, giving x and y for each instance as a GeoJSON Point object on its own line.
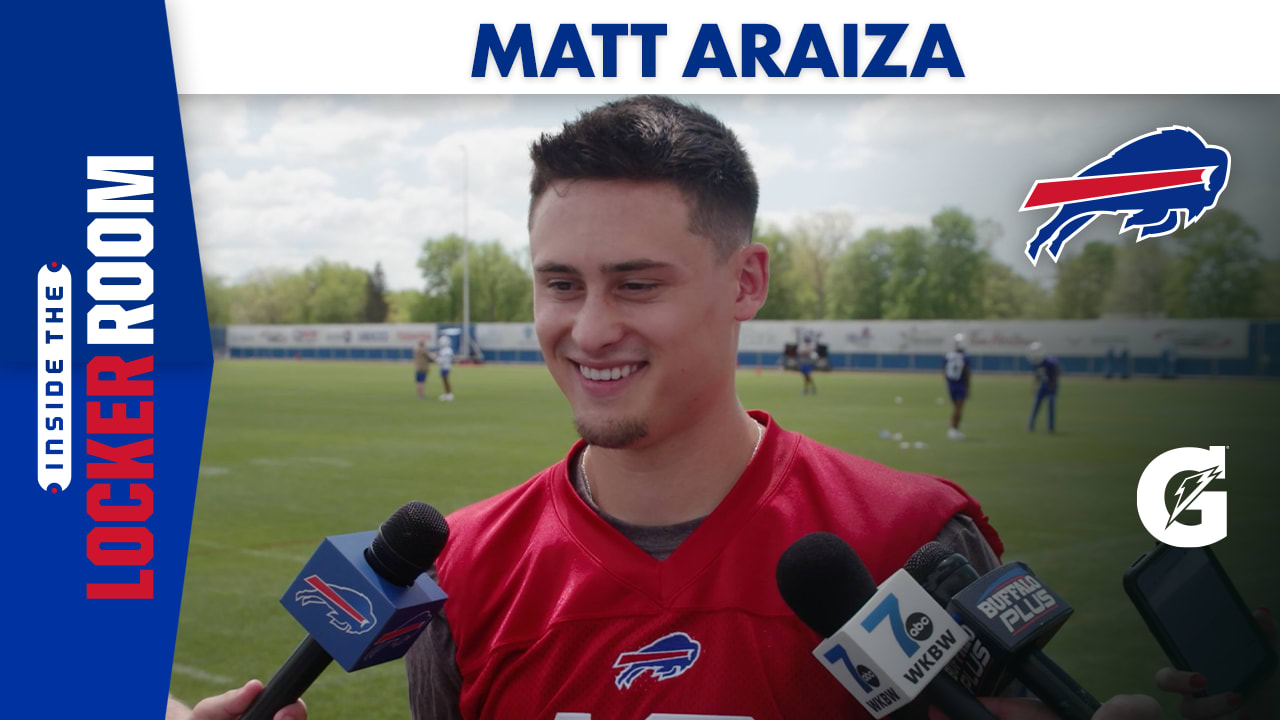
{"type": "Point", "coordinates": [1014, 609]}
{"type": "Point", "coordinates": [356, 615]}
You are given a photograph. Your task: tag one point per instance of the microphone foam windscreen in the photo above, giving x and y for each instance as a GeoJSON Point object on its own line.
{"type": "Point", "coordinates": [408, 542]}
{"type": "Point", "coordinates": [926, 559]}
{"type": "Point", "coordinates": [823, 581]}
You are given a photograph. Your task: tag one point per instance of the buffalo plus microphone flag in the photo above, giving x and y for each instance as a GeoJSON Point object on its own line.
{"type": "Point", "coordinates": [1013, 615]}
{"type": "Point", "coordinates": [363, 598]}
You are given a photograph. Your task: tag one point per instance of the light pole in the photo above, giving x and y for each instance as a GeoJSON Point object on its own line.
{"type": "Point", "coordinates": [466, 266]}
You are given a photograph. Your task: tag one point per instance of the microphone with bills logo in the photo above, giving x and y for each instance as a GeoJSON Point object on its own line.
{"type": "Point", "coordinates": [886, 645]}
{"type": "Point", "coordinates": [362, 598]}
{"type": "Point", "coordinates": [1012, 614]}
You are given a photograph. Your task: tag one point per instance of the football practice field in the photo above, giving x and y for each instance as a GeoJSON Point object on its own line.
{"type": "Point", "coordinates": [295, 451]}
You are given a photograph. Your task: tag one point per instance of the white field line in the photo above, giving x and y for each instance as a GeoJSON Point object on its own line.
{"type": "Point", "coordinates": [201, 675]}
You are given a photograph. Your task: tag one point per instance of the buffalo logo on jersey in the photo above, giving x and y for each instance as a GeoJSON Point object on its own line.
{"type": "Point", "coordinates": [664, 658]}
{"type": "Point", "coordinates": [349, 610]}
{"type": "Point", "coordinates": [1152, 180]}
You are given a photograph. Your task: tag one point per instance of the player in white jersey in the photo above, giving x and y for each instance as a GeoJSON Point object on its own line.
{"type": "Point", "coordinates": [955, 368]}
{"type": "Point", "coordinates": [444, 357]}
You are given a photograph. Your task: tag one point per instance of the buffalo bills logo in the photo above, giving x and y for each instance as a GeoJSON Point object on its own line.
{"type": "Point", "coordinates": [663, 658]}
{"type": "Point", "coordinates": [406, 630]}
{"type": "Point", "coordinates": [349, 610]}
{"type": "Point", "coordinates": [1153, 180]}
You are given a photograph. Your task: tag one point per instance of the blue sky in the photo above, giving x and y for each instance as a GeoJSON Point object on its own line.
{"type": "Point", "coordinates": [280, 181]}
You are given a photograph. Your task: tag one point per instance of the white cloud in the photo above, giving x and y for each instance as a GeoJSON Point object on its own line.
{"type": "Point", "coordinates": [863, 218]}
{"type": "Point", "coordinates": [287, 218]}
{"type": "Point", "coordinates": [767, 159]}
{"type": "Point", "coordinates": [321, 128]}
{"type": "Point", "coordinates": [351, 180]}
{"type": "Point", "coordinates": [281, 182]}
{"type": "Point", "coordinates": [212, 123]}
{"type": "Point", "coordinates": [890, 126]}
{"type": "Point", "coordinates": [497, 160]}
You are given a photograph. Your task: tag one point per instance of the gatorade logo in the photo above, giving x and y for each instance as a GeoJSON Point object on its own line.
{"type": "Point", "coordinates": [1174, 503]}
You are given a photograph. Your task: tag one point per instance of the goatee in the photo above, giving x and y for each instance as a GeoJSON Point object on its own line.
{"type": "Point", "coordinates": [612, 434]}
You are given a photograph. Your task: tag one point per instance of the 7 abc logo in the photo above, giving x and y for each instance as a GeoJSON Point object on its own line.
{"type": "Point", "coordinates": [919, 626]}
{"type": "Point", "coordinates": [1174, 502]}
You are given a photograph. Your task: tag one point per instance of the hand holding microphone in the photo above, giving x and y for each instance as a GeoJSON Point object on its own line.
{"type": "Point", "coordinates": [229, 705]}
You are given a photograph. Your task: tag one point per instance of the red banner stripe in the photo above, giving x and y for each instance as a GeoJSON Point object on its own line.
{"type": "Point", "coordinates": [401, 631]}
{"type": "Point", "coordinates": [315, 582]}
{"type": "Point", "coordinates": [1057, 192]}
{"type": "Point", "coordinates": [630, 658]}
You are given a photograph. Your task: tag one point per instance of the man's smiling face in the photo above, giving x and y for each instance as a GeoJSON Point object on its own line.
{"type": "Point", "coordinates": [634, 312]}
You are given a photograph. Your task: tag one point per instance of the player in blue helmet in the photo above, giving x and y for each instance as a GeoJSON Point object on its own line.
{"type": "Point", "coordinates": [1045, 385]}
{"type": "Point", "coordinates": [955, 368]}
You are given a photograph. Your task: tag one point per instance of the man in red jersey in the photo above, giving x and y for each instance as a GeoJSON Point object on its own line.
{"type": "Point", "coordinates": [635, 578]}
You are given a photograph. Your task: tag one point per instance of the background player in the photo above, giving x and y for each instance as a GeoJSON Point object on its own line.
{"type": "Point", "coordinates": [806, 356]}
{"type": "Point", "coordinates": [955, 368]}
{"type": "Point", "coordinates": [421, 364]}
{"type": "Point", "coordinates": [1045, 382]}
{"type": "Point", "coordinates": [444, 356]}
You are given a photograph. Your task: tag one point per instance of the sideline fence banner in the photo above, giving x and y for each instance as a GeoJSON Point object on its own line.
{"type": "Point", "coordinates": [1189, 338]}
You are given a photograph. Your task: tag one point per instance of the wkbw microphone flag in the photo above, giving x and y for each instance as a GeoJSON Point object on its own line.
{"type": "Point", "coordinates": [892, 648]}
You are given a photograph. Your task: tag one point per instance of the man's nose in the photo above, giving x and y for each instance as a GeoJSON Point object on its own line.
{"type": "Point", "coordinates": [597, 324]}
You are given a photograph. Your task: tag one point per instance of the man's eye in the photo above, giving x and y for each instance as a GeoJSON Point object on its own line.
{"type": "Point", "coordinates": [560, 285]}
{"type": "Point", "coordinates": [638, 286]}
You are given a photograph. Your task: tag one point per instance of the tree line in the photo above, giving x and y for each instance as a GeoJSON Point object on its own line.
{"type": "Point", "coordinates": [823, 270]}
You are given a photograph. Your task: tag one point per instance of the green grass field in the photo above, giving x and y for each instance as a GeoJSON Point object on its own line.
{"type": "Point", "coordinates": [295, 451]}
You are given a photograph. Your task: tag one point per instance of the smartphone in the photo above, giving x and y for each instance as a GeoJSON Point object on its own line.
{"type": "Point", "coordinates": [1199, 619]}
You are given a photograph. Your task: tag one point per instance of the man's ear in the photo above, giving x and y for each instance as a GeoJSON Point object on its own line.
{"type": "Point", "coordinates": [753, 281]}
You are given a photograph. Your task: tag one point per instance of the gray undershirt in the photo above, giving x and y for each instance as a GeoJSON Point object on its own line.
{"type": "Point", "coordinates": [436, 693]}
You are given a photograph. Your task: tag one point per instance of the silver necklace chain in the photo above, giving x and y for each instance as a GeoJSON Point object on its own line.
{"type": "Point", "coordinates": [582, 460]}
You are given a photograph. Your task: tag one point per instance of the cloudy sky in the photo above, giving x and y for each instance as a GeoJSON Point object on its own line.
{"type": "Point", "coordinates": [280, 181]}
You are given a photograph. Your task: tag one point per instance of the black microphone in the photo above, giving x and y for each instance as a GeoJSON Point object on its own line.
{"type": "Point", "coordinates": [1013, 614]}
{"type": "Point", "coordinates": [825, 584]}
{"type": "Point", "coordinates": [362, 601]}
{"type": "Point", "coordinates": [943, 573]}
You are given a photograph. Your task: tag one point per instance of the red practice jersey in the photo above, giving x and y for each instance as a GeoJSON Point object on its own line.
{"type": "Point", "coordinates": [557, 616]}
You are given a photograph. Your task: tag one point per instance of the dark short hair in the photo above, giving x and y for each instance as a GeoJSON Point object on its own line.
{"type": "Point", "coordinates": [655, 138]}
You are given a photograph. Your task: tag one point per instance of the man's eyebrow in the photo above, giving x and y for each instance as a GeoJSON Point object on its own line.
{"type": "Point", "coordinates": [607, 269]}
{"type": "Point", "coordinates": [633, 266]}
{"type": "Point", "coordinates": [555, 267]}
